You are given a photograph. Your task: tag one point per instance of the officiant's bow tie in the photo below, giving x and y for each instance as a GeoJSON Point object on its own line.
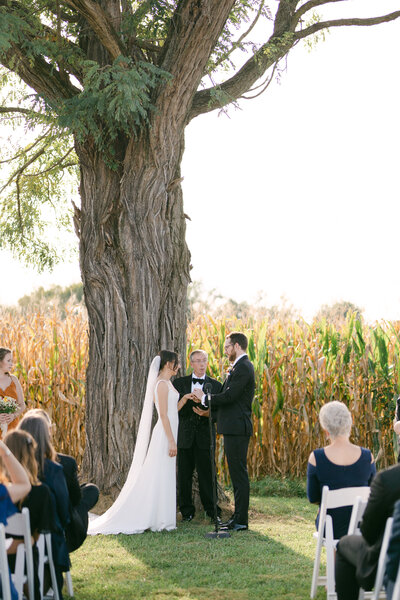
{"type": "Point", "coordinates": [196, 380]}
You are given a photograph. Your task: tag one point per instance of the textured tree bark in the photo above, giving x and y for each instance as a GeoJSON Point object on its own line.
{"type": "Point", "coordinates": [135, 271]}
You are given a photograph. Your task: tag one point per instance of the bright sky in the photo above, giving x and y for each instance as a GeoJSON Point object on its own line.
{"type": "Point", "coordinates": [297, 193]}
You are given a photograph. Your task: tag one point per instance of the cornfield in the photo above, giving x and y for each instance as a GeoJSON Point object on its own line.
{"type": "Point", "coordinates": [298, 367]}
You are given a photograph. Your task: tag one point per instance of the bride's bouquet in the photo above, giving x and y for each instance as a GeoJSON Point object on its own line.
{"type": "Point", "coordinates": [9, 406]}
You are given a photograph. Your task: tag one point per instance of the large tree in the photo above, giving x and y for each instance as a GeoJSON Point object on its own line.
{"type": "Point", "coordinates": [110, 86]}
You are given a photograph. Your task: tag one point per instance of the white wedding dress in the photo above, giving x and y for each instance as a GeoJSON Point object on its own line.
{"type": "Point", "coordinates": [148, 498]}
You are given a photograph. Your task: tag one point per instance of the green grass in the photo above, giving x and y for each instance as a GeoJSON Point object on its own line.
{"type": "Point", "coordinates": [272, 561]}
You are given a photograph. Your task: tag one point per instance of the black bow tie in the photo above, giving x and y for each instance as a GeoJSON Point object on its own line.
{"type": "Point", "coordinates": [195, 380]}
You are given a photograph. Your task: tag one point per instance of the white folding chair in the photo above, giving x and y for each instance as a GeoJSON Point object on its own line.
{"type": "Point", "coordinates": [356, 516]}
{"type": "Point", "coordinates": [396, 589]}
{"type": "Point", "coordinates": [19, 525]}
{"type": "Point", "coordinates": [4, 571]}
{"type": "Point", "coordinates": [378, 592]}
{"type": "Point", "coordinates": [68, 583]}
{"type": "Point", "coordinates": [324, 535]}
{"type": "Point", "coordinates": [46, 557]}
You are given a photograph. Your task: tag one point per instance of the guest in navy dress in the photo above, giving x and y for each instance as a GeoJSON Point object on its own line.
{"type": "Point", "coordinates": [12, 490]}
{"type": "Point", "coordinates": [340, 464]}
{"type": "Point", "coordinates": [51, 473]}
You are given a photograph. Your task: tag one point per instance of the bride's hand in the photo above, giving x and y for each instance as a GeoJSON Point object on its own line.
{"type": "Point", "coordinates": [172, 449]}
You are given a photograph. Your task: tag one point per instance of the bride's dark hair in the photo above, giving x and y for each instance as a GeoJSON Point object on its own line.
{"type": "Point", "coordinates": [168, 356]}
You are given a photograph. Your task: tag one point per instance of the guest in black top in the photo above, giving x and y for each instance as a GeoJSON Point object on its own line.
{"type": "Point", "coordinates": [38, 501]}
{"type": "Point", "coordinates": [52, 474]}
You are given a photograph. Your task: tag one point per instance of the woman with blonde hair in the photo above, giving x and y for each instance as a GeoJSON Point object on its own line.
{"type": "Point", "coordinates": [338, 465]}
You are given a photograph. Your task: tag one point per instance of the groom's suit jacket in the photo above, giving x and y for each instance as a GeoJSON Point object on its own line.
{"type": "Point", "coordinates": [234, 402]}
{"type": "Point", "coordinates": [193, 428]}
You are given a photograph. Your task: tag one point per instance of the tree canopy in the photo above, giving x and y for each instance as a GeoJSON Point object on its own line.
{"type": "Point", "coordinates": [101, 70]}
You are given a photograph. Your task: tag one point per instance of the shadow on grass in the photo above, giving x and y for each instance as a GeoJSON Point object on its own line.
{"type": "Point", "coordinates": [272, 560]}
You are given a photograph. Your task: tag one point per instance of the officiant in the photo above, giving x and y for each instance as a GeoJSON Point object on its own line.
{"type": "Point", "coordinates": [194, 438]}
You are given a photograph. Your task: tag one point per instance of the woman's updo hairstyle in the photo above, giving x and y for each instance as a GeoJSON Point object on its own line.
{"type": "Point", "coordinates": [335, 418]}
{"type": "Point", "coordinates": [167, 356]}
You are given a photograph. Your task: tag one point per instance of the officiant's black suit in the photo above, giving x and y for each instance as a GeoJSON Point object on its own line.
{"type": "Point", "coordinates": [194, 450]}
{"type": "Point", "coordinates": [234, 409]}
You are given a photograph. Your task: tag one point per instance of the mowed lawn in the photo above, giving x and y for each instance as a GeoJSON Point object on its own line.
{"type": "Point", "coordinates": [273, 560]}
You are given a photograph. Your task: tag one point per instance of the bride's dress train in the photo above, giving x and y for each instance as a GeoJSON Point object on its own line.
{"type": "Point", "coordinates": [148, 498]}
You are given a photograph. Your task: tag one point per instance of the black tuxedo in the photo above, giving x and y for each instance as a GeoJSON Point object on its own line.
{"type": "Point", "coordinates": [194, 450]}
{"type": "Point", "coordinates": [357, 556]}
{"type": "Point", "coordinates": [234, 408]}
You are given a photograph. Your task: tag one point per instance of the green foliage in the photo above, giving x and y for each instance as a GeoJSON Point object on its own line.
{"type": "Point", "coordinates": [34, 184]}
{"type": "Point", "coordinates": [312, 41]}
{"type": "Point", "coordinates": [338, 312]}
{"type": "Point", "coordinates": [288, 487]}
{"type": "Point", "coordinates": [116, 98]}
{"type": "Point", "coordinates": [241, 18]}
{"type": "Point", "coordinates": [54, 297]}
{"type": "Point", "coordinates": [149, 21]}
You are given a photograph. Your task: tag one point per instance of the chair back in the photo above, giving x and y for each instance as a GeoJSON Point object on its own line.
{"type": "Point", "coordinates": [343, 496]}
{"type": "Point", "coordinates": [46, 557]}
{"type": "Point", "coordinates": [357, 514]}
{"type": "Point", "coordinates": [4, 571]}
{"type": "Point", "coordinates": [380, 573]}
{"type": "Point", "coordinates": [325, 537]}
{"type": "Point", "coordinates": [19, 525]}
{"type": "Point", "coordinates": [396, 589]}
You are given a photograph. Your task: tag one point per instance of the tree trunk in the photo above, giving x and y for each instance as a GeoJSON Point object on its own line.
{"type": "Point", "coordinates": [135, 271]}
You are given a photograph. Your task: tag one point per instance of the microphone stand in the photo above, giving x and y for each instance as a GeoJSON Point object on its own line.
{"type": "Point", "coordinates": [216, 534]}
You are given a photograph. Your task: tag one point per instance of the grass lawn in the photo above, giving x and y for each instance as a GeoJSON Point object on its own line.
{"type": "Point", "coordinates": [273, 560]}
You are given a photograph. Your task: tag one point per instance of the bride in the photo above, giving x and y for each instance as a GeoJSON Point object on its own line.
{"type": "Point", "coordinates": [148, 498]}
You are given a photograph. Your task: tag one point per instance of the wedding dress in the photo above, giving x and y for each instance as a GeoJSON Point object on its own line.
{"type": "Point", "coordinates": [148, 498]}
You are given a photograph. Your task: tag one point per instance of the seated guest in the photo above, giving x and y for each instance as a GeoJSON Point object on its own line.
{"type": "Point", "coordinates": [393, 553]}
{"type": "Point", "coordinates": [357, 555]}
{"type": "Point", "coordinates": [340, 464]}
{"type": "Point", "coordinates": [52, 474]}
{"type": "Point", "coordinates": [82, 497]}
{"type": "Point", "coordinates": [39, 500]}
{"type": "Point", "coordinates": [12, 490]}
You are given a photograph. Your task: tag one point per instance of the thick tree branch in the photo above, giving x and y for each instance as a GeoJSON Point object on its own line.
{"type": "Point", "coordinates": [346, 23]}
{"type": "Point", "coordinates": [193, 33]}
{"type": "Point", "coordinates": [100, 23]}
{"type": "Point", "coordinates": [270, 53]}
{"type": "Point", "coordinates": [39, 75]}
{"type": "Point", "coordinates": [16, 109]}
{"type": "Point", "coordinates": [229, 91]}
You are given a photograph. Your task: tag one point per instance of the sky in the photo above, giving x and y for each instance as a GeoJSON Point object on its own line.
{"type": "Point", "coordinates": [295, 194]}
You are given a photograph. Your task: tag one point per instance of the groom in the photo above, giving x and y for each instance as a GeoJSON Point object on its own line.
{"type": "Point", "coordinates": [194, 438]}
{"type": "Point", "coordinates": [234, 408]}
